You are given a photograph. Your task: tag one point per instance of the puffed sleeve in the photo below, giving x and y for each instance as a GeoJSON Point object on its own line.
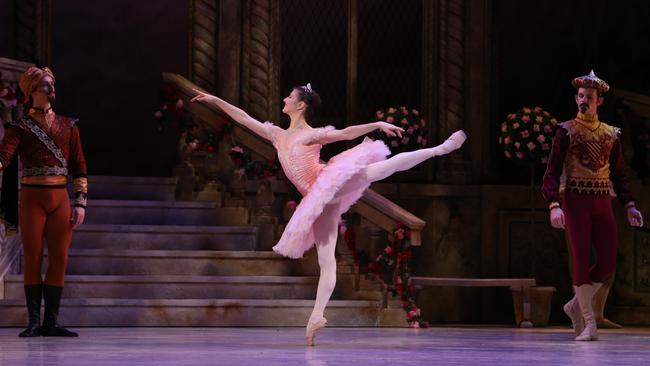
{"type": "Point", "coordinates": [555, 166]}
{"type": "Point", "coordinates": [271, 131]}
{"type": "Point", "coordinates": [318, 134]}
{"type": "Point", "coordinates": [10, 142]}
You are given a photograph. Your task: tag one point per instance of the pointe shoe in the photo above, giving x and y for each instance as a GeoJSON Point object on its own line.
{"type": "Point", "coordinates": [572, 310]}
{"type": "Point", "coordinates": [312, 328]}
{"type": "Point", "coordinates": [455, 141]}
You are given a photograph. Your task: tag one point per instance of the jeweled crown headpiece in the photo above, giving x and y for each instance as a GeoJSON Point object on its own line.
{"type": "Point", "coordinates": [590, 81]}
{"type": "Point", "coordinates": [308, 88]}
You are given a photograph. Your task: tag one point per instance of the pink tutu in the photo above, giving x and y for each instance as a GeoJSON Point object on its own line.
{"type": "Point", "coordinates": [342, 180]}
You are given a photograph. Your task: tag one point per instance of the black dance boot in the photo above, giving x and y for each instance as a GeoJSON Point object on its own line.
{"type": "Point", "coordinates": [52, 295]}
{"type": "Point", "coordinates": [33, 295]}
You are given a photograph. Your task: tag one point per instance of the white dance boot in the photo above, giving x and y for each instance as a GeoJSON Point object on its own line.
{"type": "Point", "coordinates": [572, 310]}
{"type": "Point", "coordinates": [585, 294]}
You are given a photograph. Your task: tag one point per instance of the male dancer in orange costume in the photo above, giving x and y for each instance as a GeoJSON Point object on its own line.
{"type": "Point", "coordinates": [49, 148]}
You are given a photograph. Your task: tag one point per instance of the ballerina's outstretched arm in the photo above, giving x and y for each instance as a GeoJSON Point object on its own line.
{"type": "Point", "coordinates": [237, 114]}
{"type": "Point", "coordinates": [352, 132]}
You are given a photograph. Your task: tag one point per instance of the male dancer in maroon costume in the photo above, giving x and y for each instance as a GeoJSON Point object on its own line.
{"type": "Point", "coordinates": [49, 149]}
{"type": "Point", "coordinates": [585, 157]}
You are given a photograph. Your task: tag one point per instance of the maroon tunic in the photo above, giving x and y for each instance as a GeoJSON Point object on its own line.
{"type": "Point", "coordinates": [36, 157]}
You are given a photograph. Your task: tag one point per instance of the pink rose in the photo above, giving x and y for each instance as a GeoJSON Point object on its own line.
{"type": "Point", "coordinates": [415, 325]}
{"type": "Point", "coordinates": [553, 121]}
{"type": "Point", "coordinates": [419, 140]}
{"type": "Point", "coordinates": [392, 110]}
{"type": "Point", "coordinates": [158, 114]}
{"type": "Point", "coordinates": [504, 127]}
{"type": "Point", "coordinates": [512, 116]}
{"type": "Point", "coordinates": [539, 119]}
{"type": "Point", "coordinates": [507, 140]}
{"type": "Point", "coordinates": [525, 134]}
{"type": "Point", "coordinates": [531, 146]}
{"type": "Point", "coordinates": [399, 234]}
{"type": "Point", "coordinates": [413, 313]}
{"type": "Point", "coordinates": [525, 119]}
{"type": "Point", "coordinates": [193, 145]}
{"type": "Point", "coordinates": [237, 149]}
{"type": "Point", "coordinates": [390, 119]}
{"type": "Point", "coordinates": [526, 110]}
{"type": "Point", "coordinates": [547, 114]}
{"type": "Point", "coordinates": [537, 109]}
{"type": "Point", "coordinates": [546, 146]}
{"type": "Point", "coordinates": [507, 154]}
{"type": "Point", "coordinates": [398, 280]}
{"type": "Point", "coordinates": [424, 142]}
{"type": "Point", "coordinates": [536, 128]}
{"type": "Point", "coordinates": [404, 121]}
{"type": "Point", "coordinates": [388, 250]}
{"type": "Point", "coordinates": [519, 155]}
{"type": "Point", "coordinates": [541, 138]}
{"type": "Point", "coordinates": [548, 129]}
{"type": "Point", "coordinates": [380, 114]}
{"type": "Point", "coordinates": [405, 140]}
{"type": "Point", "coordinates": [410, 130]}
{"type": "Point", "coordinates": [415, 112]}
{"type": "Point", "coordinates": [515, 125]}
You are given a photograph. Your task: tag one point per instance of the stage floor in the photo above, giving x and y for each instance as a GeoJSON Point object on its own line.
{"type": "Point", "coordinates": [335, 346]}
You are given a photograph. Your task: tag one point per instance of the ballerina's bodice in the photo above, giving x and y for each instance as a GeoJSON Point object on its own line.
{"type": "Point", "coordinates": [300, 160]}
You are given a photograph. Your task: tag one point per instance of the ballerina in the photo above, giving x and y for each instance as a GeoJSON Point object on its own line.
{"type": "Point", "coordinates": [328, 189]}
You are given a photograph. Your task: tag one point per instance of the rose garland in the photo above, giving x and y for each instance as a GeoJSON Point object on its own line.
{"type": "Point", "coordinates": [394, 259]}
{"type": "Point", "coordinates": [252, 168]}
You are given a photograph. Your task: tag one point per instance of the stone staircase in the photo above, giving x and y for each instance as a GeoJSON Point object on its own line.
{"type": "Point", "coordinates": [144, 259]}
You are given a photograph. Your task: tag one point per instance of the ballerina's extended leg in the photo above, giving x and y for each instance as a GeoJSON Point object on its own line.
{"type": "Point", "coordinates": [405, 161]}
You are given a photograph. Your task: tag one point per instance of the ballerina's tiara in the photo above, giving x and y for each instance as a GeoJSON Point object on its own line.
{"type": "Point", "coordinates": [308, 88]}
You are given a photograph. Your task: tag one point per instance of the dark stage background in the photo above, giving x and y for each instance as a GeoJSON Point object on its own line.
{"type": "Point", "coordinates": [108, 57]}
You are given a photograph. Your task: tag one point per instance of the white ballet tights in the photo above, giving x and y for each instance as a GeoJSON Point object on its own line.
{"type": "Point", "coordinates": [326, 233]}
{"type": "Point", "coordinates": [326, 227]}
{"type": "Point", "coordinates": [405, 161]}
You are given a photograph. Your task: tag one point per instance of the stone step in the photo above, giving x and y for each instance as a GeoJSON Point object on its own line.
{"type": "Point", "coordinates": [206, 312]}
{"type": "Point", "coordinates": [164, 237]}
{"type": "Point", "coordinates": [131, 188]}
{"type": "Point", "coordinates": [178, 287]}
{"type": "Point", "coordinates": [196, 287]}
{"type": "Point", "coordinates": [163, 213]}
{"type": "Point", "coordinates": [176, 262]}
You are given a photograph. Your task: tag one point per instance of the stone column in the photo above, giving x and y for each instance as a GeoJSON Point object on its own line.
{"type": "Point", "coordinates": [32, 31]}
{"type": "Point", "coordinates": [260, 94]}
{"type": "Point", "coordinates": [203, 43]}
{"type": "Point", "coordinates": [456, 69]}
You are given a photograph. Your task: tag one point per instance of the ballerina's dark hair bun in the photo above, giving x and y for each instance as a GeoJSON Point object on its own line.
{"type": "Point", "coordinates": [311, 99]}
